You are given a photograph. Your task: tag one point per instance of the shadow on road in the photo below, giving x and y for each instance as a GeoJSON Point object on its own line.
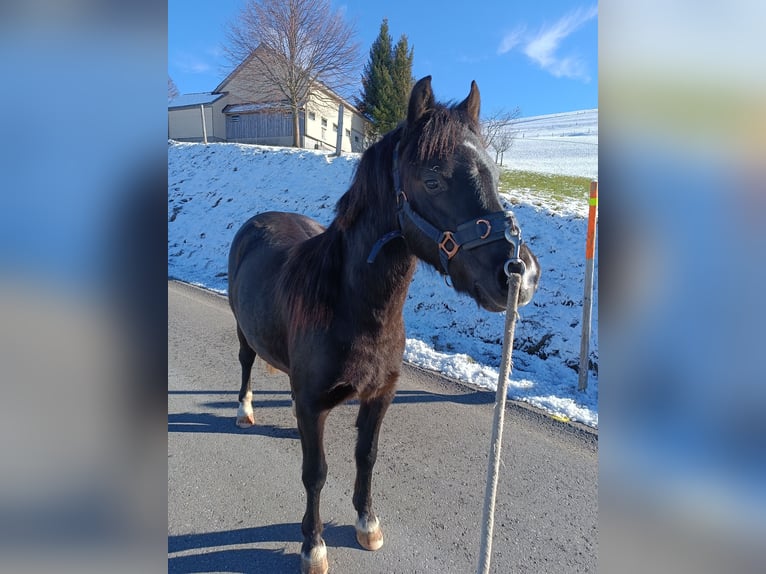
{"type": "Point", "coordinates": [247, 560]}
{"type": "Point", "coordinates": [472, 398]}
{"type": "Point", "coordinates": [256, 404]}
{"type": "Point", "coordinates": [209, 423]}
{"type": "Point", "coordinates": [244, 560]}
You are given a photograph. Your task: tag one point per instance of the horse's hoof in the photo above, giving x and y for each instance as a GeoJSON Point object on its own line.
{"type": "Point", "coordinates": [245, 422]}
{"type": "Point", "coordinates": [369, 534]}
{"type": "Point", "coordinates": [245, 416]}
{"type": "Point", "coordinates": [316, 561]}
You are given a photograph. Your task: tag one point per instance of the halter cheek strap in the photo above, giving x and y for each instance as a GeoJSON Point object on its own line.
{"type": "Point", "coordinates": [491, 227]}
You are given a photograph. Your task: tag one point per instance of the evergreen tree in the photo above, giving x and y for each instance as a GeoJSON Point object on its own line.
{"type": "Point", "coordinates": [386, 82]}
{"type": "Point", "coordinates": [401, 75]}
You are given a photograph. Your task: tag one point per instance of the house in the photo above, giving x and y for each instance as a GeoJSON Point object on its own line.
{"type": "Point", "coordinates": [185, 117]}
{"type": "Point", "coordinates": [245, 108]}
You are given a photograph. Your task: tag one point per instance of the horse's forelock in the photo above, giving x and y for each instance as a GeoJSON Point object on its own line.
{"type": "Point", "coordinates": [442, 131]}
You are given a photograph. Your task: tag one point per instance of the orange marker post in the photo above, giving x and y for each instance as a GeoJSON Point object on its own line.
{"type": "Point", "coordinates": [587, 304]}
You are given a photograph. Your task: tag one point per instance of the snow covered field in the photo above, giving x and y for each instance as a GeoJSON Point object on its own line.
{"type": "Point", "coordinates": [565, 144]}
{"type": "Point", "coordinates": [213, 189]}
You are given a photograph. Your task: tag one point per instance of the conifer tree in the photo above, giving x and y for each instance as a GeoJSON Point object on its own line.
{"type": "Point", "coordinates": [401, 76]}
{"type": "Point", "coordinates": [386, 82]}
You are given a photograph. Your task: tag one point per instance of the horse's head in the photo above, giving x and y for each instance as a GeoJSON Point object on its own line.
{"type": "Point", "coordinates": [449, 210]}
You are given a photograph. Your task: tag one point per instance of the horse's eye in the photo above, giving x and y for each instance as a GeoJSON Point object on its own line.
{"type": "Point", "coordinates": [432, 184]}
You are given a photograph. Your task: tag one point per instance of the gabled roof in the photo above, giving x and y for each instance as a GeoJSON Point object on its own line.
{"type": "Point", "coordinates": [188, 100]}
{"type": "Point", "coordinates": [320, 85]}
{"type": "Point", "coordinates": [234, 72]}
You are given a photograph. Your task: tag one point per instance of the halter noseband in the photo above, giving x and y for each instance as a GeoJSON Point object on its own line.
{"type": "Point", "coordinates": [469, 235]}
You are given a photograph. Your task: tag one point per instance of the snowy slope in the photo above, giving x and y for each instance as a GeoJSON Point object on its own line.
{"type": "Point", "coordinates": [565, 143]}
{"type": "Point", "coordinates": [213, 189]}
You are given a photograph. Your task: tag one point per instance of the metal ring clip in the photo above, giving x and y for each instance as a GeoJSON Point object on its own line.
{"type": "Point", "coordinates": [514, 265]}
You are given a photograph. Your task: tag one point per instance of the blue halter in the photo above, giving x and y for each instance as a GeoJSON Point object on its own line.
{"type": "Point", "coordinates": [469, 235]}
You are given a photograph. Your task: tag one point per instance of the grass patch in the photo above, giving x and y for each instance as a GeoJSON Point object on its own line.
{"type": "Point", "coordinates": [545, 185]}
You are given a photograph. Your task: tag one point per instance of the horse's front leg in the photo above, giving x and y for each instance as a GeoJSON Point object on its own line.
{"type": "Point", "coordinates": [371, 412]}
{"type": "Point", "coordinates": [311, 428]}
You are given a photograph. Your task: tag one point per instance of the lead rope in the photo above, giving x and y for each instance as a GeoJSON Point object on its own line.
{"type": "Point", "coordinates": [493, 469]}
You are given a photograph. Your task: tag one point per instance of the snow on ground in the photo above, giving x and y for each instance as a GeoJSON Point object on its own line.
{"type": "Point", "coordinates": [213, 189]}
{"type": "Point", "coordinates": [565, 144]}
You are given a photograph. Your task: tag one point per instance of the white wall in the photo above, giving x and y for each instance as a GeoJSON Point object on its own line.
{"type": "Point", "coordinates": [327, 109]}
{"type": "Point", "coordinates": [185, 124]}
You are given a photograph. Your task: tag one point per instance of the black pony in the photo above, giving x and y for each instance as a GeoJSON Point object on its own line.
{"type": "Point", "coordinates": [325, 305]}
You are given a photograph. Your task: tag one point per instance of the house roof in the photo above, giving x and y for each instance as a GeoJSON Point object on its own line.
{"type": "Point", "coordinates": [187, 100]}
{"type": "Point", "coordinates": [320, 85]}
{"type": "Point", "coordinates": [234, 72]}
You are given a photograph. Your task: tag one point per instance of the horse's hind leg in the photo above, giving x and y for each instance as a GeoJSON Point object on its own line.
{"type": "Point", "coordinates": [368, 531]}
{"type": "Point", "coordinates": [245, 416]}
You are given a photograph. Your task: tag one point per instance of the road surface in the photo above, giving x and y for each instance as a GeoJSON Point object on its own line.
{"type": "Point", "coordinates": [235, 497]}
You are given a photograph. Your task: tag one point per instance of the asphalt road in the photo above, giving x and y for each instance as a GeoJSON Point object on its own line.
{"type": "Point", "coordinates": [235, 497]}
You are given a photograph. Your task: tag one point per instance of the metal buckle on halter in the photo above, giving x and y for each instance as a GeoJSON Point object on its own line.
{"type": "Point", "coordinates": [514, 238]}
{"type": "Point", "coordinates": [447, 238]}
{"type": "Point", "coordinates": [489, 228]}
{"type": "Point", "coordinates": [515, 264]}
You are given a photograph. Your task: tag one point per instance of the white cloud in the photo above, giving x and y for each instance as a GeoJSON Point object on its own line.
{"type": "Point", "coordinates": [191, 64]}
{"type": "Point", "coordinates": [216, 51]}
{"type": "Point", "coordinates": [542, 47]}
{"type": "Point", "coordinates": [511, 40]}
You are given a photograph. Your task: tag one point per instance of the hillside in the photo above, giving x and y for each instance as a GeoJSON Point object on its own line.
{"type": "Point", "coordinates": [565, 143]}
{"type": "Point", "coordinates": [213, 189]}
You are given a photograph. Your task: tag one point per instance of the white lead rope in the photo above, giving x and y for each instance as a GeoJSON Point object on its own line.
{"type": "Point", "coordinates": [493, 469]}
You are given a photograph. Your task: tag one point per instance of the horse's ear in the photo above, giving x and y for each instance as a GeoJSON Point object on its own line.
{"type": "Point", "coordinates": [421, 100]}
{"type": "Point", "coordinates": [472, 104]}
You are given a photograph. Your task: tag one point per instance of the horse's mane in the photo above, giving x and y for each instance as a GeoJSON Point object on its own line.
{"type": "Point", "coordinates": [309, 281]}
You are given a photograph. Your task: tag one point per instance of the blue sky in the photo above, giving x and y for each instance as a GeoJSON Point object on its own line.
{"type": "Point", "coordinates": [540, 56]}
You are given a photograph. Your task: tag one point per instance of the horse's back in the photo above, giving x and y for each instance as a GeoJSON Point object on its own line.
{"type": "Point", "coordinates": [257, 257]}
{"type": "Point", "coordinates": [266, 239]}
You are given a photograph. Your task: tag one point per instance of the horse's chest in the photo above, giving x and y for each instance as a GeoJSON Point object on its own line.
{"type": "Point", "coordinates": [372, 359]}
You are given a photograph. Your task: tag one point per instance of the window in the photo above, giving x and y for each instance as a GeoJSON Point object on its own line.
{"type": "Point", "coordinates": [335, 127]}
{"type": "Point", "coordinates": [324, 122]}
{"type": "Point", "coordinates": [348, 133]}
{"type": "Point", "coordinates": [312, 116]}
{"type": "Point", "coordinates": [356, 139]}
{"type": "Point", "coordinates": [234, 118]}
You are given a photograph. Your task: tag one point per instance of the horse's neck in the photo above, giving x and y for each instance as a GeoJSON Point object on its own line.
{"type": "Point", "coordinates": [380, 286]}
{"type": "Point", "coordinates": [366, 214]}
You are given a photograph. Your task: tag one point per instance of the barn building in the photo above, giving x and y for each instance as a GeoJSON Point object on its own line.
{"type": "Point", "coordinates": [244, 108]}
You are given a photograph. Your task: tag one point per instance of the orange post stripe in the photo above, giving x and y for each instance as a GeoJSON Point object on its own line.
{"type": "Point", "coordinates": [590, 243]}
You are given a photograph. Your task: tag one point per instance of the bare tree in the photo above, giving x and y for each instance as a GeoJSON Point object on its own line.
{"type": "Point", "coordinates": [498, 132]}
{"type": "Point", "coordinates": [298, 46]}
{"type": "Point", "coordinates": [172, 89]}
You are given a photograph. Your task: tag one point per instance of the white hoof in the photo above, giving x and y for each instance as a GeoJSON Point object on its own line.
{"type": "Point", "coordinates": [245, 416]}
{"type": "Point", "coordinates": [316, 561]}
{"type": "Point", "coordinates": [369, 534]}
